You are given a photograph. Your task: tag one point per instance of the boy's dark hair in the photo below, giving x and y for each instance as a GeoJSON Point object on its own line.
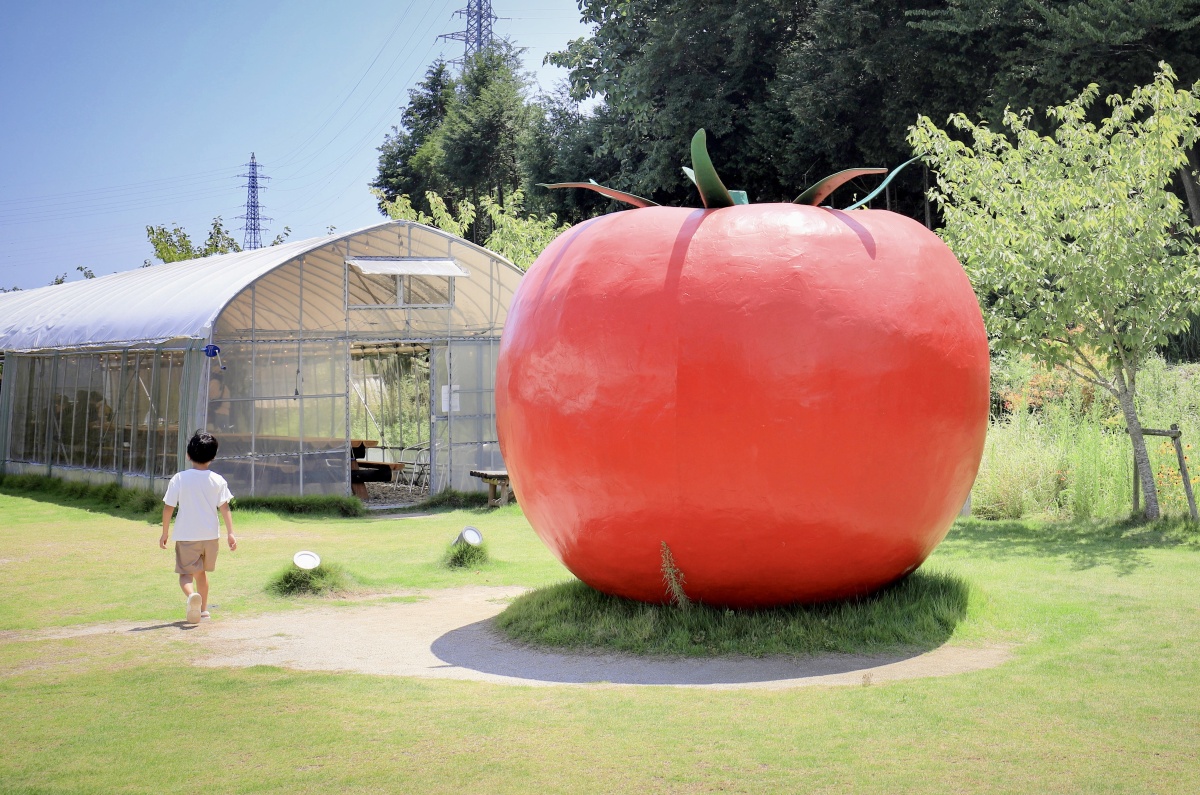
{"type": "Point", "coordinates": [202, 447]}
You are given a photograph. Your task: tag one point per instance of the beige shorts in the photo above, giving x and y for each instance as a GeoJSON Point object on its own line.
{"type": "Point", "coordinates": [192, 557]}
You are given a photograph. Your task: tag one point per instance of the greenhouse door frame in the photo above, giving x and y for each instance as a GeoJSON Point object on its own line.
{"type": "Point", "coordinates": [462, 385]}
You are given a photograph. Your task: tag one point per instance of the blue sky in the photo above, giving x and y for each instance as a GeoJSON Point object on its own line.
{"type": "Point", "coordinates": [114, 116]}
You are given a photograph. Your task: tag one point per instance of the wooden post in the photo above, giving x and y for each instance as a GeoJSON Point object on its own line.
{"type": "Point", "coordinates": [1187, 483]}
{"type": "Point", "coordinates": [1175, 435]}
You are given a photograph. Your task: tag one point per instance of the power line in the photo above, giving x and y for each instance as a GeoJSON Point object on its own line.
{"type": "Point", "coordinates": [342, 114]}
{"type": "Point", "coordinates": [36, 215]}
{"type": "Point", "coordinates": [285, 160]}
{"type": "Point", "coordinates": [165, 184]}
{"type": "Point", "coordinates": [156, 184]}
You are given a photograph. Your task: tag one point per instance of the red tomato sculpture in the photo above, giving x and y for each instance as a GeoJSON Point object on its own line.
{"type": "Point", "coordinates": [793, 398]}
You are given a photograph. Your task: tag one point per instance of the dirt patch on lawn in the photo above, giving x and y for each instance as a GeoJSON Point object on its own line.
{"type": "Point", "coordinates": [448, 634]}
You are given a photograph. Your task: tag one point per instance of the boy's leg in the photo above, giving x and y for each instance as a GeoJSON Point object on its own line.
{"type": "Point", "coordinates": [202, 588]}
{"type": "Point", "coordinates": [208, 559]}
{"type": "Point", "coordinates": [186, 556]}
{"type": "Point", "coordinates": [185, 563]}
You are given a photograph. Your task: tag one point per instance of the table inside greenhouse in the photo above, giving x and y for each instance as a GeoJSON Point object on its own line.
{"type": "Point", "coordinates": [311, 442]}
{"type": "Point", "coordinates": [143, 442]}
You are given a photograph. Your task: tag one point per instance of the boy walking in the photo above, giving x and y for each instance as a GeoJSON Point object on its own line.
{"type": "Point", "coordinates": [201, 495]}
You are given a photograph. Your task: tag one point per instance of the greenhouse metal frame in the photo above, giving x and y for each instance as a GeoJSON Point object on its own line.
{"type": "Point", "coordinates": [104, 379]}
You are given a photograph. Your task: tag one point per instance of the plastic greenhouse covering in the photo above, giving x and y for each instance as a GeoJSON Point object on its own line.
{"type": "Point", "coordinates": [274, 351]}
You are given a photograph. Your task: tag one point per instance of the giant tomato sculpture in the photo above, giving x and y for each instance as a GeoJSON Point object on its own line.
{"type": "Point", "coordinates": [793, 398]}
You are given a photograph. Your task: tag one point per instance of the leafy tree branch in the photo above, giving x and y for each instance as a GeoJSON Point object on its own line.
{"type": "Point", "coordinates": [1081, 254]}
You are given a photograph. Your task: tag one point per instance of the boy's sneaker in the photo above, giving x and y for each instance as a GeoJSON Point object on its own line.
{"type": "Point", "coordinates": [204, 614]}
{"type": "Point", "coordinates": [193, 608]}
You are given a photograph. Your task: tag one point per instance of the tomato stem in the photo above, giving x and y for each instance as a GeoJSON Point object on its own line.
{"type": "Point", "coordinates": [713, 192]}
{"type": "Point", "coordinates": [612, 193]}
{"type": "Point", "coordinates": [825, 188]}
{"type": "Point", "coordinates": [882, 185]}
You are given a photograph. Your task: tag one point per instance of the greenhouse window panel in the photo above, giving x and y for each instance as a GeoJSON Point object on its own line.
{"type": "Point", "coordinates": [408, 266]}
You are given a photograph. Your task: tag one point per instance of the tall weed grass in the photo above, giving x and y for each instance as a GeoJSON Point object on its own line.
{"type": "Point", "coordinates": [1057, 447]}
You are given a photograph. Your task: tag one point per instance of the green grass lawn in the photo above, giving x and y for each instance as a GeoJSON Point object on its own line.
{"type": "Point", "coordinates": [65, 565]}
{"type": "Point", "coordinates": [1102, 693]}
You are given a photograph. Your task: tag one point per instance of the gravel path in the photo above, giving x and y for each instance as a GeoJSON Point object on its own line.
{"type": "Point", "coordinates": [448, 635]}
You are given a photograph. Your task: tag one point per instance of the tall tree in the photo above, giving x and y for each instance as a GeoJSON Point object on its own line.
{"type": "Point", "coordinates": [855, 76]}
{"type": "Point", "coordinates": [483, 130]}
{"type": "Point", "coordinates": [406, 165]}
{"type": "Point", "coordinates": [665, 68]}
{"type": "Point", "coordinates": [561, 144]}
{"type": "Point", "coordinates": [1080, 253]}
{"type": "Point", "coordinates": [461, 137]}
{"type": "Point", "coordinates": [1041, 53]}
{"type": "Point", "coordinates": [791, 89]}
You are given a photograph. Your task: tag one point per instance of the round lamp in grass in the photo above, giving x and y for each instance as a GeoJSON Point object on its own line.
{"type": "Point", "coordinates": [467, 550]}
{"type": "Point", "coordinates": [790, 399]}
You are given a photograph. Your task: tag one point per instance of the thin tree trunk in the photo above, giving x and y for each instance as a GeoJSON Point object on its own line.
{"type": "Point", "coordinates": [1140, 455]}
{"type": "Point", "coordinates": [925, 195]}
{"type": "Point", "coordinates": [1187, 175]}
{"type": "Point", "coordinates": [474, 238]}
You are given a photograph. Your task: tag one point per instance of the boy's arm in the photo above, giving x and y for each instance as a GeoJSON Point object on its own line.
{"type": "Point", "coordinates": [227, 516]}
{"type": "Point", "coordinates": [168, 510]}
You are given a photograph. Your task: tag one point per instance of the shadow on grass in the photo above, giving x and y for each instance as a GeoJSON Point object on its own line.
{"type": "Point", "coordinates": [172, 625]}
{"type": "Point", "coordinates": [1120, 544]}
{"type": "Point", "coordinates": [571, 633]}
{"type": "Point", "coordinates": [479, 647]}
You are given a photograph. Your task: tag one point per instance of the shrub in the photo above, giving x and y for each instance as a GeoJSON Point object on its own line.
{"type": "Point", "coordinates": [141, 502]}
{"type": "Point", "coordinates": [454, 499]}
{"type": "Point", "coordinates": [461, 555]}
{"type": "Point", "coordinates": [312, 505]}
{"type": "Point", "coordinates": [326, 579]}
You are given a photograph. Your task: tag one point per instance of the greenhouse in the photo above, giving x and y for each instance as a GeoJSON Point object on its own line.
{"type": "Point", "coordinates": [318, 364]}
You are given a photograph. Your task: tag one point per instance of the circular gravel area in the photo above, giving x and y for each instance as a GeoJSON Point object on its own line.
{"type": "Point", "coordinates": [447, 634]}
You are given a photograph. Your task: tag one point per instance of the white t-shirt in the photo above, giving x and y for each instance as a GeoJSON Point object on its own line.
{"type": "Point", "coordinates": [197, 493]}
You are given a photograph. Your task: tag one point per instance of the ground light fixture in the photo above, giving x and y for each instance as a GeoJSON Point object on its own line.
{"type": "Point", "coordinates": [306, 560]}
{"type": "Point", "coordinates": [470, 535]}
